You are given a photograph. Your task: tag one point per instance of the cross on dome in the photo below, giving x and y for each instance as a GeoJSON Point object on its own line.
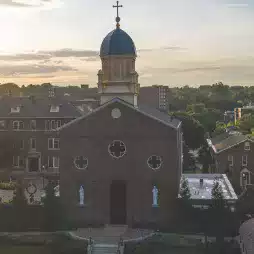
{"type": "Point", "coordinates": [117, 6]}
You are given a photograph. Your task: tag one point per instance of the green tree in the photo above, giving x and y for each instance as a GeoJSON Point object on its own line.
{"type": "Point", "coordinates": [208, 118]}
{"type": "Point", "coordinates": [185, 206]}
{"type": "Point", "coordinates": [193, 131]}
{"type": "Point", "coordinates": [219, 129]}
{"type": "Point", "coordinates": [19, 199]}
{"type": "Point", "coordinates": [246, 123]}
{"type": "Point", "coordinates": [205, 158]}
{"type": "Point", "coordinates": [218, 214]}
{"type": "Point", "coordinates": [196, 108]}
{"type": "Point", "coordinates": [189, 162]}
{"type": "Point", "coordinates": [185, 190]}
{"type": "Point", "coordinates": [20, 207]}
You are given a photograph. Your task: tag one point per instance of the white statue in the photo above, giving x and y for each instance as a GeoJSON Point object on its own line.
{"type": "Point", "coordinates": [155, 196]}
{"type": "Point", "coordinates": [81, 195]}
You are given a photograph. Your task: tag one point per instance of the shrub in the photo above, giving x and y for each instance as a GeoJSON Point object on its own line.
{"type": "Point", "coordinates": [7, 186]}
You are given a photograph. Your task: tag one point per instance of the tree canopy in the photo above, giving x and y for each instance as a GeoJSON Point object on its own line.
{"type": "Point", "coordinates": [193, 131]}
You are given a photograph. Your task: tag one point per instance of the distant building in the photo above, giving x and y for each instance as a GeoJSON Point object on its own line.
{"type": "Point", "coordinates": [239, 112]}
{"type": "Point", "coordinates": [233, 154]}
{"type": "Point", "coordinates": [156, 96]}
{"type": "Point", "coordinates": [229, 116]}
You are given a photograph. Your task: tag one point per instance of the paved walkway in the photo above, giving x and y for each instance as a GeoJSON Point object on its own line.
{"type": "Point", "coordinates": [111, 234]}
{"type": "Point", "coordinates": [108, 239]}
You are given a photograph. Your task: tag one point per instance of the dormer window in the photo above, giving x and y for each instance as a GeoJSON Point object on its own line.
{"type": "Point", "coordinates": [15, 109]}
{"type": "Point", "coordinates": [54, 108]}
{"type": "Point", "coordinates": [247, 146]}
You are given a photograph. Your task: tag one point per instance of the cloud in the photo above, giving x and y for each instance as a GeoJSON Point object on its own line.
{"type": "Point", "coordinates": [178, 70]}
{"type": "Point", "coordinates": [25, 57]}
{"type": "Point", "coordinates": [15, 3]}
{"type": "Point", "coordinates": [27, 3]}
{"type": "Point", "coordinates": [203, 69]}
{"type": "Point", "coordinates": [175, 48]}
{"type": "Point", "coordinates": [16, 70]}
{"type": "Point", "coordinates": [71, 53]}
{"type": "Point", "coordinates": [88, 55]}
{"type": "Point", "coordinates": [90, 59]}
{"type": "Point", "coordinates": [238, 5]}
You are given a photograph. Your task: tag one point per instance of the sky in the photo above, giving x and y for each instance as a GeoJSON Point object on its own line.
{"type": "Point", "coordinates": [179, 42]}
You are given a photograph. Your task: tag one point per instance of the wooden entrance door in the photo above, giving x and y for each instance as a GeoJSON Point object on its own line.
{"type": "Point", "coordinates": [118, 202]}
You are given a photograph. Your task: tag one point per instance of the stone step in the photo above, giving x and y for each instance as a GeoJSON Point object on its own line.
{"type": "Point", "coordinates": [105, 249]}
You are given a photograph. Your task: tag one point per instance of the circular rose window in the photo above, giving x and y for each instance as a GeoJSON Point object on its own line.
{"type": "Point", "coordinates": [154, 162]}
{"type": "Point", "coordinates": [117, 149]}
{"type": "Point", "coordinates": [116, 113]}
{"type": "Point", "coordinates": [81, 162]}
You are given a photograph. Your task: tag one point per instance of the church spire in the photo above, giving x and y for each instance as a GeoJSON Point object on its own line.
{"type": "Point", "coordinates": [117, 6]}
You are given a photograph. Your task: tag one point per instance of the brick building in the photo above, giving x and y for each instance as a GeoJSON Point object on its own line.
{"type": "Point", "coordinates": [29, 150]}
{"type": "Point", "coordinates": [156, 96]}
{"type": "Point", "coordinates": [233, 155]}
{"type": "Point", "coordinates": [122, 162]}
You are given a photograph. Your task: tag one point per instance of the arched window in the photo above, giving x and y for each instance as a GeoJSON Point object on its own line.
{"type": "Point", "coordinates": [245, 177]}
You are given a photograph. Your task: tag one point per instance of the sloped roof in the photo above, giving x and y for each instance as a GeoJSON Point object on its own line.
{"type": "Point", "coordinates": [34, 107]}
{"type": "Point", "coordinates": [145, 110]}
{"type": "Point", "coordinates": [225, 141]}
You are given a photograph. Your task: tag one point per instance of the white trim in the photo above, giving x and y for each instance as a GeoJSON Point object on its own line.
{"type": "Point", "coordinates": [53, 144]}
{"type": "Point", "coordinates": [55, 161]}
{"type": "Point", "coordinates": [246, 171]}
{"type": "Point", "coordinates": [31, 124]}
{"type": "Point", "coordinates": [116, 99]}
{"type": "Point", "coordinates": [15, 109]}
{"type": "Point", "coordinates": [18, 159]}
{"type": "Point", "coordinates": [3, 123]}
{"type": "Point", "coordinates": [18, 125]}
{"type": "Point", "coordinates": [54, 108]}
{"type": "Point", "coordinates": [246, 160]}
{"type": "Point", "coordinates": [31, 143]}
{"type": "Point", "coordinates": [217, 152]}
{"type": "Point", "coordinates": [247, 142]}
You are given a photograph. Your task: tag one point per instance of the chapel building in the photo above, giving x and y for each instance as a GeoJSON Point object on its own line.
{"type": "Point", "coordinates": [121, 163]}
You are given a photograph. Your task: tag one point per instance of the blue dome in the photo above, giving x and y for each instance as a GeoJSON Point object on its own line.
{"type": "Point", "coordinates": [117, 42]}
